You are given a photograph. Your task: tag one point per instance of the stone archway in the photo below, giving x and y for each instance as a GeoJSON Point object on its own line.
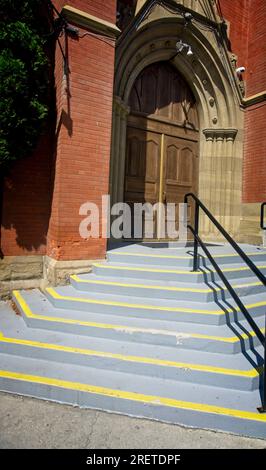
{"type": "Point", "coordinates": [152, 38]}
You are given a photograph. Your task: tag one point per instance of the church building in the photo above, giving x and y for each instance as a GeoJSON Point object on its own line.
{"type": "Point", "coordinates": [154, 99]}
{"type": "Point", "coordinates": [162, 104]}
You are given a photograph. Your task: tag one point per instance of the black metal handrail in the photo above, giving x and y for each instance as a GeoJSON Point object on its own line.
{"type": "Point", "coordinates": [198, 241]}
{"type": "Point", "coordinates": [262, 216]}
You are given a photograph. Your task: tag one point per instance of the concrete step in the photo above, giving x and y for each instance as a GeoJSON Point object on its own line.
{"type": "Point", "coordinates": [166, 274]}
{"type": "Point", "coordinates": [184, 258]}
{"type": "Point", "coordinates": [145, 336]}
{"type": "Point", "coordinates": [38, 312]}
{"type": "Point", "coordinates": [135, 358]}
{"type": "Point", "coordinates": [215, 313]}
{"type": "Point", "coordinates": [135, 395]}
{"type": "Point", "coordinates": [202, 292]}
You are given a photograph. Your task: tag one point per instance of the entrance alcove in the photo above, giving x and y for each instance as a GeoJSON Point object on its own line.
{"type": "Point", "coordinates": [150, 41]}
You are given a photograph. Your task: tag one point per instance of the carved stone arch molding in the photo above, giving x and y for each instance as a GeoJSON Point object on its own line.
{"type": "Point", "coordinates": [152, 37]}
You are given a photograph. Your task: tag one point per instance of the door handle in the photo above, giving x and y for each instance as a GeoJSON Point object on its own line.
{"type": "Point", "coordinates": [164, 196]}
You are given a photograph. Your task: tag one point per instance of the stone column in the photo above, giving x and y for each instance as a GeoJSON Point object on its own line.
{"type": "Point", "coordinates": [117, 173]}
{"type": "Point", "coordinates": [219, 181]}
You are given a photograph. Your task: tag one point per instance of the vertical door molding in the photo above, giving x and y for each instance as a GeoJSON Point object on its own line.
{"type": "Point", "coordinates": [118, 156]}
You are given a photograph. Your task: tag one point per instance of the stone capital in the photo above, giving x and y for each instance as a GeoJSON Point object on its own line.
{"type": "Point", "coordinates": [227, 134]}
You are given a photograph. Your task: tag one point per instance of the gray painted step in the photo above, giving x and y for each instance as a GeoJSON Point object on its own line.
{"type": "Point", "coordinates": [231, 338]}
{"type": "Point", "coordinates": [141, 359]}
{"type": "Point", "coordinates": [165, 274]}
{"type": "Point", "coordinates": [166, 400]}
{"type": "Point", "coordinates": [115, 346]}
{"type": "Point", "coordinates": [177, 258]}
{"type": "Point", "coordinates": [158, 247]}
{"type": "Point", "coordinates": [177, 249]}
{"type": "Point", "coordinates": [164, 290]}
{"type": "Point", "coordinates": [215, 313]}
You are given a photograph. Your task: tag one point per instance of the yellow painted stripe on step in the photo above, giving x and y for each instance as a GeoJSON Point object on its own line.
{"type": "Point", "coordinates": [134, 396]}
{"type": "Point", "coordinates": [251, 284]}
{"type": "Point", "coordinates": [112, 303]}
{"type": "Point", "coordinates": [149, 270]}
{"type": "Point", "coordinates": [127, 358]}
{"type": "Point", "coordinates": [156, 308]}
{"type": "Point", "coordinates": [150, 255]}
{"type": "Point", "coordinates": [170, 271]}
{"type": "Point", "coordinates": [77, 279]}
{"type": "Point", "coordinates": [232, 339]}
{"type": "Point", "coordinates": [29, 314]}
{"type": "Point", "coordinates": [141, 286]}
{"type": "Point", "coordinates": [231, 255]}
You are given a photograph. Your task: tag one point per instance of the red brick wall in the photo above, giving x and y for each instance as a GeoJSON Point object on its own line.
{"type": "Point", "coordinates": [254, 176]}
{"type": "Point", "coordinates": [236, 12]}
{"type": "Point", "coordinates": [254, 172]}
{"type": "Point", "coordinates": [25, 211]}
{"type": "Point", "coordinates": [79, 170]}
{"type": "Point", "coordinates": [84, 107]}
{"type": "Point", "coordinates": [247, 34]}
{"type": "Point", "coordinates": [256, 67]}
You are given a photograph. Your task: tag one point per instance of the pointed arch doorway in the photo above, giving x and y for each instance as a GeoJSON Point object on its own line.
{"type": "Point", "coordinates": [162, 141]}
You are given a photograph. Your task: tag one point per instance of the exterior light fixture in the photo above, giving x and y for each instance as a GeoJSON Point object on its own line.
{"type": "Point", "coordinates": [180, 45]}
{"type": "Point", "coordinates": [188, 16]}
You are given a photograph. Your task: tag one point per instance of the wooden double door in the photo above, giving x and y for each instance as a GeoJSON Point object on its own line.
{"type": "Point", "coordinates": [162, 143]}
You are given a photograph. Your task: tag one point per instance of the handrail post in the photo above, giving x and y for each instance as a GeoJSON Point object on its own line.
{"type": "Point", "coordinates": [196, 243]}
{"type": "Point", "coordinates": [264, 376]}
{"type": "Point", "coordinates": [262, 408]}
{"type": "Point", "coordinates": [262, 226]}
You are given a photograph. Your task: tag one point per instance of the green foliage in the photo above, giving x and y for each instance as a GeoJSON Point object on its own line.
{"type": "Point", "coordinates": [24, 77]}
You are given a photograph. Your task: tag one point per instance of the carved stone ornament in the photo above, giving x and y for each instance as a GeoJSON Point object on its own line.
{"type": "Point", "coordinates": [220, 134]}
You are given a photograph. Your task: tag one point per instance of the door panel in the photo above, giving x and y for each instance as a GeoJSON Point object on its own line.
{"type": "Point", "coordinates": [162, 92]}
{"type": "Point", "coordinates": [180, 172]}
{"type": "Point", "coordinates": [142, 166]}
{"type": "Point", "coordinates": [146, 176]}
{"type": "Point", "coordinates": [142, 178]}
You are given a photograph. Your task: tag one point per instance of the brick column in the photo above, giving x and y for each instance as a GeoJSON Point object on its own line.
{"type": "Point", "coordinates": [84, 88]}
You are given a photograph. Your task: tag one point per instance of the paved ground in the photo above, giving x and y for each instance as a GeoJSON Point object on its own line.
{"type": "Point", "coordinates": [30, 423]}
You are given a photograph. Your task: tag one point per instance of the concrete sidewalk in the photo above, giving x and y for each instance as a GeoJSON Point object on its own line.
{"type": "Point", "coordinates": [30, 423]}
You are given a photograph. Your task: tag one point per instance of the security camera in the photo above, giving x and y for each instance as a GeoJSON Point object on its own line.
{"type": "Point", "coordinates": [240, 70]}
